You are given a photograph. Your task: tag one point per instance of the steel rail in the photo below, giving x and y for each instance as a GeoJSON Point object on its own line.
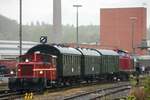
{"type": "Point", "coordinates": [100, 92]}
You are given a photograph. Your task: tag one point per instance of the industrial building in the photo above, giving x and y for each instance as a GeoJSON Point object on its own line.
{"type": "Point", "coordinates": [10, 49]}
{"type": "Point", "coordinates": [123, 28]}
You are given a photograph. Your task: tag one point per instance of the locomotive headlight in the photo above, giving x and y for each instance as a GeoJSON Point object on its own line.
{"type": "Point", "coordinates": [19, 70]}
{"type": "Point", "coordinates": [41, 72]}
{"type": "Point", "coordinates": [27, 60]}
{"type": "Point", "coordinates": [11, 72]}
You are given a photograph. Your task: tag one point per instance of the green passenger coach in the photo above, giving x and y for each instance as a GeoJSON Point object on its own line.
{"type": "Point", "coordinates": [90, 63]}
{"type": "Point", "coordinates": [109, 61]}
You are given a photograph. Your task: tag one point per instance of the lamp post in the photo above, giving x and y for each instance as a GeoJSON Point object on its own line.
{"type": "Point", "coordinates": [77, 6]}
{"type": "Point", "coordinates": [20, 27]}
{"type": "Point", "coordinates": [133, 19]}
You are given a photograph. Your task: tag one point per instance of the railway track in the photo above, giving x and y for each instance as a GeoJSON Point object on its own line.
{"type": "Point", "coordinates": [7, 94]}
{"type": "Point", "coordinates": [10, 95]}
{"type": "Point", "coordinates": [100, 93]}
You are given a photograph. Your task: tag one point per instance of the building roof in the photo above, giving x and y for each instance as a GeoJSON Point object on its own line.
{"type": "Point", "coordinates": [11, 48]}
{"type": "Point", "coordinates": [16, 42]}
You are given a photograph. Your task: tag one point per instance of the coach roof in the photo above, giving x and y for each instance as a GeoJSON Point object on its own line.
{"type": "Point", "coordinates": [89, 52]}
{"type": "Point", "coordinates": [107, 52]}
{"type": "Point", "coordinates": [67, 50]}
{"type": "Point", "coordinates": [53, 49]}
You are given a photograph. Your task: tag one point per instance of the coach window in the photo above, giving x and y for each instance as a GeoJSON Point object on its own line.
{"type": "Point", "coordinates": [76, 57]}
{"type": "Point", "coordinates": [94, 60]}
{"type": "Point", "coordinates": [94, 63]}
{"type": "Point", "coordinates": [115, 60]}
{"type": "Point", "coordinates": [87, 60]}
{"type": "Point", "coordinates": [73, 59]}
{"type": "Point", "coordinates": [91, 60]}
{"type": "Point", "coordinates": [78, 60]}
{"type": "Point", "coordinates": [74, 63]}
{"type": "Point", "coordinates": [69, 59]}
{"type": "Point", "coordinates": [103, 59]}
{"type": "Point", "coordinates": [110, 60]}
{"type": "Point", "coordinates": [97, 60]}
{"type": "Point", "coordinates": [106, 58]}
{"type": "Point", "coordinates": [65, 57]}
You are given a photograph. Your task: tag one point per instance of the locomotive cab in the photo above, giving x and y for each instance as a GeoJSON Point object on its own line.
{"type": "Point", "coordinates": [34, 72]}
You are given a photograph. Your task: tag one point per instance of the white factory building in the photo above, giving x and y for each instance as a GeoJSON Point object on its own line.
{"type": "Point", "coordinates": [10, 49]}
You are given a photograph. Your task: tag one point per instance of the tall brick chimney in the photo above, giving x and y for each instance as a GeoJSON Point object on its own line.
{"type": "Point", "coordinates": [57, 29]}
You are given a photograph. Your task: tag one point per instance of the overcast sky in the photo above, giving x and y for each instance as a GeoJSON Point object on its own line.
{"type": "Point", "coordinates": [41, 10]}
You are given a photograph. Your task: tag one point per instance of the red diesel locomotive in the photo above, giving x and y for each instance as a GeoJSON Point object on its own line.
{"type": "Point", "coordinates": [32, 69]}
{"type": "Point", "coordinates": [126, 61]}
